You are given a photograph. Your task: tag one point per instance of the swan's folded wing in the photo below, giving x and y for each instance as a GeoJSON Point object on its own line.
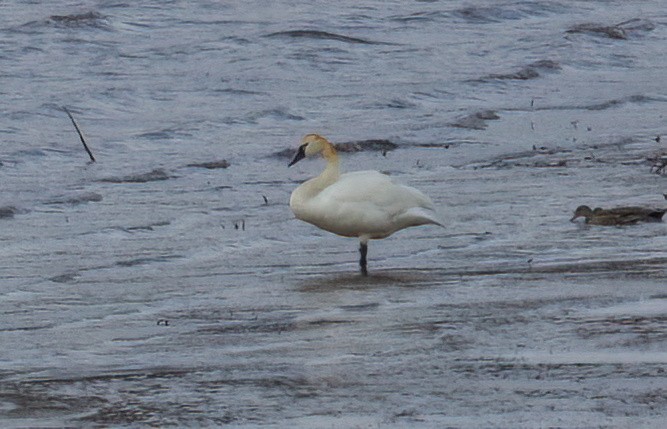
{"type": "Point", "coordinates": [375, 188]}
{"type": "Point", "coordinates": [369, 201]}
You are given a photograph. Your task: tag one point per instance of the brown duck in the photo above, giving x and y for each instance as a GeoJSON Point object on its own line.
{"type": "Point", "coordinates": [618, 215]}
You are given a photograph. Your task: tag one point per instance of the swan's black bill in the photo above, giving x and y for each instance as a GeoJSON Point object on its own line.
{"type": "Point", "coordinates": [300, 154]}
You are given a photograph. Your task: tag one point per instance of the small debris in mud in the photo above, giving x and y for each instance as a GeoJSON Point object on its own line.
{"type": "Point", "coordinates": [559, 163]}
{"type": "Point", "coordinates": [433, 145]}
{"type": "Point", "coordinates": [610, 31]}
{"type": "Point", "coordinates": [477, 120]}
{"type": "Point", "coordinates": [81, 19]}
{"type": "Point", "coordinates": [7, 212]}
{"type": "Point", "coordinates": [64, 278]}
{"type": "Point", "coordinates": [530, 71]}
{"type": "Point", "coordinates": [212, 165]}
{"type": "Point", "coordinates": [616, 102]}
{"type": "Point", "coordinates": [538, 157]}
{"type": "Point", "coordinates": [406, 413]}
{"type": "Point", "coordinates": [143, 261]}
{"type": "Point", "coordinates": [163, 322]}
{"type": "Point", "coordinates": [323, 35]}
{"type": "Point", "coordinates": [266, 200]}
{"type": "Point", "coordinates": [660, 167]}
{"type": "Point", "coordinates": [84, 197]}
{"type": "Point", "coordinates": [618, 31]}
{"type": "Point", "coordinates": [149, 227]}
{"type": "Point", "coordinates": [379, 145]}
{"type": "Point", "coordinates": [657, 139]}
{"type": "Point", "coordinates": [152, 176]}
{"type": "Point", "coordinates": [659, 163]}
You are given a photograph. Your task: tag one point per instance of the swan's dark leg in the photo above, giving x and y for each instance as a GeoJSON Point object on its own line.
{"type": "Point", "coordinates": [363, 249]}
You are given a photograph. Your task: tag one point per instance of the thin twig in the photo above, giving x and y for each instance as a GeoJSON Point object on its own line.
{"type": "Point", "coordinates": [90, 154]}
{"type": "Point", "coordinates": [620, 24]}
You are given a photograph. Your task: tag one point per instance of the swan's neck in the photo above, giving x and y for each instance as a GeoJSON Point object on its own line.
{"type": "Point", "coordinates": [331, 172]}
{"type": "Point", "coordinates": [314, 186]}
{"type": "Point", "coordinates": [328, 177]}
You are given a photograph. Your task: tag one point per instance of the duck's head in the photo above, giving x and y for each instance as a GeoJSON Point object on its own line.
{"type": "Point", "coordinates": [582, 211]}
{"type": "Point", "coordinates": [311, 144]}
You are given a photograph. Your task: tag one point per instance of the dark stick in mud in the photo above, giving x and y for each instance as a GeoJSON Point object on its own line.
{"type": "Point", "coordinates": [90, 154]}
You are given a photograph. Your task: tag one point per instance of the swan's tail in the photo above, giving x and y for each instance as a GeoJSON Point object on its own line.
{"type": "Point", "coordinates": [421, 216]}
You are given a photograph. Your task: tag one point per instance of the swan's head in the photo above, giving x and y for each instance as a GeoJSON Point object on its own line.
{"type": "Point", "coordinates": [311, 144]}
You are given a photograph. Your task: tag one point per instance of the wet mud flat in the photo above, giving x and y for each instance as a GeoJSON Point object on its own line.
{"type": "Point", "coordinates": [510, 317]}
{"type": "Point", "coordinates": [403, 347]}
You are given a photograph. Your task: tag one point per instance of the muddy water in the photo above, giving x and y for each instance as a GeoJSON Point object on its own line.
{"type": "Point", "coordinates": [168, 284]}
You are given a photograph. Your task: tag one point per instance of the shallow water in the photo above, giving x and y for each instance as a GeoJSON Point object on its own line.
{"type": "Point", "coordinates": [162, 286]}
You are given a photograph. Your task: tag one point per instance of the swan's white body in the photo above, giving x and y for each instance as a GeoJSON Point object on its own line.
{"type": "Point", "coordinates": [363, 204]}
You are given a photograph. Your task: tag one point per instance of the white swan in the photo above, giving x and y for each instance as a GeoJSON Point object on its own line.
{"type": "Point", "coordinates": [363, 204]}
